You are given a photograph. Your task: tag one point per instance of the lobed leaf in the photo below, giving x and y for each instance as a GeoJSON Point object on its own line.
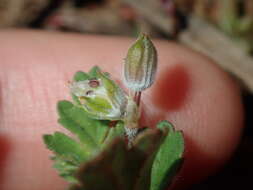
{"type": "Point", "coordinates": [65, 147]}
{"type": "Point", "coordinates": [93, 136]}
{"type": "Point", "coordinates": [65, 168]}
{"type": "Point", "coordinates": [116, 168]}
{"type": "Point", "coordinates": [90, 132]}
{"type": "Point", "coordinates": [93, 73]}
{"type": "Point", "coordinates": [81, 76]}
{"type": "Point", "coordinates": [169, 157]}
{"type": "Point", "coordinates": [147, 142]}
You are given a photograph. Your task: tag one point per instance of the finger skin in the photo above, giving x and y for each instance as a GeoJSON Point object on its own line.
{"type": "Point", "coordinates": [190, 91]}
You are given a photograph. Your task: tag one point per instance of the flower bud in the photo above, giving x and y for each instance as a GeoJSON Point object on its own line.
{"type": "Point", "coordinates": [100, 97]}
{"type": "Point", "coordinates": [140, 64]}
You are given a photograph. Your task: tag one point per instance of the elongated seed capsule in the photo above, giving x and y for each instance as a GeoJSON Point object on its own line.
{"type": "Point", "coordinates": [140, 64]}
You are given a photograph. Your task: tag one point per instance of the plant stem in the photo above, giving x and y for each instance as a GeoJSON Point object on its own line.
{"type": "Point", "coordinates": [137, 98]}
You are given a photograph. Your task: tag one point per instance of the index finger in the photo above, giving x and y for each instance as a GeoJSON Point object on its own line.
{"type": "Point", "coordinates": [190, 91]}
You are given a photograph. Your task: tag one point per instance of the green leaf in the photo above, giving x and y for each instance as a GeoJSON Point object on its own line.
{"type": "Point", "coordinates": [81, 76]}
{"type": "Point", "coordinates": [116, 168]}
{"type": "Point", "coordinates": [169, 157]}
{"type": "Point", "coordinates": [147, 142]}
{"type": "Point", "coordinates": [66, 168]}
{"type": "Point", "coordinates": [65, 147]}
{"type": "Point", "coordinates": [90, 132]}
{"type": "Point", "coordinates": [94, 71]}
{"type": "Point", "coordinates": [93, 135]}
{"type": "Point", "coordinates": [114, 132]}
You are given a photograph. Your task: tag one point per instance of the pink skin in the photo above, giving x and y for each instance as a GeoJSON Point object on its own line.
{"type": "Point", "coordinates": [190, 91]}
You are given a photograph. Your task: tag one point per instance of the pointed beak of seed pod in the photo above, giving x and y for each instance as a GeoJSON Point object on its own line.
{"type": "Point", "coordinates": [140, 64]}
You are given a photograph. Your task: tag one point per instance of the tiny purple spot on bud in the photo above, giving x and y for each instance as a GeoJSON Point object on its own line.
{"type": "Point", "coordinates": [89, 92]}
{"type": "Point", "coordinates": [94, 83]}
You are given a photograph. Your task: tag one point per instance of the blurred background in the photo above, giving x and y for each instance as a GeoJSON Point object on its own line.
{"type": "Point", "coordinates": [220, 29]}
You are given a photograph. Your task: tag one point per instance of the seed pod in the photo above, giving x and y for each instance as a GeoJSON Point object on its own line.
{"type": "Point", "coordinates": [100, 97]}
{"type": "Point", "coordinates": [140, 64]}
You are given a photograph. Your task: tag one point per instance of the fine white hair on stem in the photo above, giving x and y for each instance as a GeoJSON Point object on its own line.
{"type": "Point", "coordinates": [131, 134]}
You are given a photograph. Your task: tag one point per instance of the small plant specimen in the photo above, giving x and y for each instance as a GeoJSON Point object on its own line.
{"type": "Point", "coordinates": [111, 150]}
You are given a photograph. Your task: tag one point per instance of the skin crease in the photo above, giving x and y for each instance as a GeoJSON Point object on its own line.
{"type": "Point", "coordinates": [190, 91]}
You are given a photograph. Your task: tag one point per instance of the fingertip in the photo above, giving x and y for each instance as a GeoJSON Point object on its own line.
{"type": "Point", "coordinates": [201, 100]}
{"type": "Point", "coordinates": [190, 91]}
